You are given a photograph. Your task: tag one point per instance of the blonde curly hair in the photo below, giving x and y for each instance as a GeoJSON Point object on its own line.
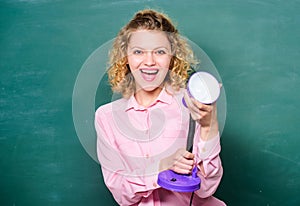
{"type": "Point", "coordinates": [119, 74]}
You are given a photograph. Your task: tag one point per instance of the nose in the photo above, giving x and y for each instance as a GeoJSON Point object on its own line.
{"type": "Point", "coordinates": [149, 59]}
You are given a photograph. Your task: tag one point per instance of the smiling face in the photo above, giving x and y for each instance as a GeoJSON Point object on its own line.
{"type": "Point", "coordinates": [149, 56]}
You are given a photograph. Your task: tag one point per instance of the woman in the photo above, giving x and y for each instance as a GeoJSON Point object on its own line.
{"type": "Point", "coordinates": [145, 132]}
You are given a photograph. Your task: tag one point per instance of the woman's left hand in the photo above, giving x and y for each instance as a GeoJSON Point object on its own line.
{"type": "Point", "coordinates": [205, 115]}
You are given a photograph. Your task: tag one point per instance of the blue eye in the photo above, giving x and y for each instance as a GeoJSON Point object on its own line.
{"type": "Point", "coordinates": [160, 52]}
{"type": "Point", "coordinates": [138, 52]}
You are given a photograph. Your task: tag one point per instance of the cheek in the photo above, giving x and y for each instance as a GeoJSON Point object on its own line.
{"type": "Point", "coordinates": [133, 63]}
{"type": "Point", "coordinates": [165, 63]}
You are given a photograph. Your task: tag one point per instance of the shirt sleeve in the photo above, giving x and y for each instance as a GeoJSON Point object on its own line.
{"type": "Point", "coordinates": [207, 154]}
{"type": "Point", "coordinates": [128, 186]}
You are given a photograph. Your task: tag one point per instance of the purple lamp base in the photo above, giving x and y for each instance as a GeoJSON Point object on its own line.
{"type": "Point", "coordinates": [179, 182]}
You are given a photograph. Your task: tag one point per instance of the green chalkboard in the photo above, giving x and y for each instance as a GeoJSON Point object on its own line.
{"type": "Point", "coordinates": [44, 44]}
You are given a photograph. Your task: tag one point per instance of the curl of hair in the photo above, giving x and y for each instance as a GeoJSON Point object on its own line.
{"type": "Point", "coordinates": [119, 74]}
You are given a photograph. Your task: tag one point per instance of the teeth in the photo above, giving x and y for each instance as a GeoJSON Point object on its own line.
{"type": "Point", "coordinates": [149, 71]}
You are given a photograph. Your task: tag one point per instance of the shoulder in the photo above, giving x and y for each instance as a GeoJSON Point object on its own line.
{"type": "Point", "coordinates": [108, 108]}
{"type": "Point", "coordinates": [176, 94]}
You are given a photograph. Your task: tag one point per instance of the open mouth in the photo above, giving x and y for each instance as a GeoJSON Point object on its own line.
{"type": "Point", "coordinates": [149, 74]}
{"type": "Point", "coordinates": [149, 71]}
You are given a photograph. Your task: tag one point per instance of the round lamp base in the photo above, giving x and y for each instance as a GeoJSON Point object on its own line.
{"type": "Point", "coordinates": [178, 182]}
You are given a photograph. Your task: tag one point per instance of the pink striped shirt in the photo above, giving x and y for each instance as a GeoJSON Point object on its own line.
{"type": "Point", "coordinates": [131, 140]}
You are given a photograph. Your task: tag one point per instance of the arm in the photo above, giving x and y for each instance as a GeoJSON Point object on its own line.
{"type": "Point", "coordinates": [207, 146]}
{"type": "Point", "coordinates": [207, 160]}
{"type": "Point", "coordinates": [128, 185]}
{"type": "Point", "coordinates": [209, 165]}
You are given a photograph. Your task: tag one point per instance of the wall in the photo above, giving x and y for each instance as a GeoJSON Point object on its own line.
{"type": "Point", "coordinates": [253, 44]}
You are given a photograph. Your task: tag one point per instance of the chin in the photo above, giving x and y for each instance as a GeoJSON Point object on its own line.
{"type": "Point", "coordinates": [150, 88]}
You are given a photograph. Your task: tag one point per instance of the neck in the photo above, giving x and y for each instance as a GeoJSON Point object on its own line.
{"type": "Point", "coordinates": [146, 98]}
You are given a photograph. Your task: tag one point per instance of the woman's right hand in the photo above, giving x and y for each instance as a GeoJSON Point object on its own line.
{"type": "Point", "coordinates": [181, 162]}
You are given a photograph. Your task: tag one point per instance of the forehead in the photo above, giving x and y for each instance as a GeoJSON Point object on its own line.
{"type": "Point", "coordinates": [148, 39]}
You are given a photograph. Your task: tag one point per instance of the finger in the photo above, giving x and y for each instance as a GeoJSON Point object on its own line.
{"type": "Point", "coordinates": [201, 106]}
{"type": "Point", "coordinates": [185, 157]}
{"type": "Point", "coordinates": [184, 154]}
{"type": "Point", "coordinates": [183, 161]}
{"type": "Point", "coordinates": [185, 164]}
{"type": "Point", "coordinates": [181, 171]}
{"type": "Point", "coordinates": [189, 103]}
{"type": "Point", "coordinates": [182, 168]}
{"type": "Point", "coordinates": [187, 99]}
{"type": "Point", "coordinates": [188, 155]}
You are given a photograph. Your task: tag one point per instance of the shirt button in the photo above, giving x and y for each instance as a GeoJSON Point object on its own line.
{"type": "Point", "coordinates": [203, 149]}
{"type": "Point", "coordinates": [154, 184]}
{"type": "Point", "coordinates": [147, 156]}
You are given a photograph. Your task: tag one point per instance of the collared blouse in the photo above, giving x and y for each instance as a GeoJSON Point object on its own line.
{"type": "Point", "coordinates": [131, 141]}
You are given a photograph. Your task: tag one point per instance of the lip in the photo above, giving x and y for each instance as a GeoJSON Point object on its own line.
{"type": "Point", "coordinates": [149, 74]}
{"type": "Point", "coordinates": [149, 71]}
